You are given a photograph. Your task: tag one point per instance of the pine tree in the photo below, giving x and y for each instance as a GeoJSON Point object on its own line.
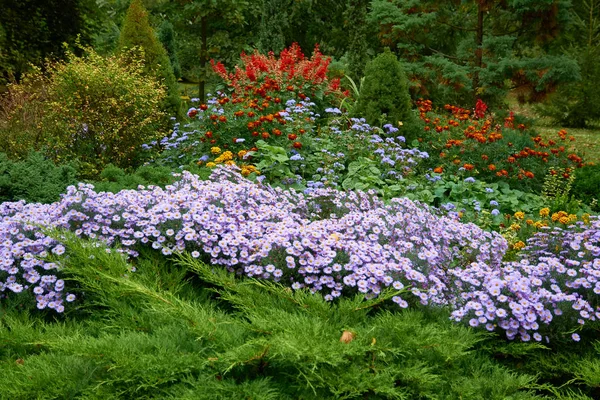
{"type": "Point", "coordinates": [137, 33]}
{"type": "Point", "coordinates": [384, 91]}
{"type": "Point", "coordinates": [459, 51]}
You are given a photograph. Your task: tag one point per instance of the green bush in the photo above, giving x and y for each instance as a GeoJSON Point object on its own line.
{"type": "Point", "coordinates": [114, 179]}
{"type": "Point", "coordinates": [35, 179]}
{"type": "Point", "coordinates": [384, 91]}
{"type": "Point", "coordinates": [586, 186]}
{"type": "Point", "coordinates": [136, 33]}
{"type": "Point", "coordinates": [101, 110]}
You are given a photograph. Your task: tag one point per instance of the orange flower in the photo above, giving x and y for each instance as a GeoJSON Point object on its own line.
{"type": "Point", "coordinates": [468, 167]}
{"type": "Point", "coordinates": [438, 170]}
{"type": "Point", "coordinates": [492, 167]}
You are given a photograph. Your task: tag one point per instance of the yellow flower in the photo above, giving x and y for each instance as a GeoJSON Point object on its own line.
{"type": "Point", "coordinates": [572, 217]}
{"type": "Point", "coordinates": [230, 162]}
{"type": "Point", "coordinates": [519, 215]}
{"type": "Point", "coordinates": [563, 220]}
{"type": "Point", "coordinates": [529, 222]}
{"type": "Point", "coordinates": [515, 227]}
{"type": "Point", "coordinates": [538, 224]}
{"type": "Point", "coordinates": [215, 150]}
{"type": "Point", "coordinates": [211, 164]}
{"type": "Point", "coordinates": [242, 153]}
{"type": "Point", "coordinates": [555, 217]}
{"type": "Point", "coordinates": [519, 245]}
{"type": "Point", "coordinates": [586, 218]}
{"type": "Point", "coordinates": [544, 212]}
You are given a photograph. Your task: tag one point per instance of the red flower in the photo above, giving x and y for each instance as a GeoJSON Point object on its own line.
{"type": "Point", "coordinates": [297, 145]}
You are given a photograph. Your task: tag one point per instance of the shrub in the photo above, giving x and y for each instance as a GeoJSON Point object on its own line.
{"type": "Point", "coordinates": [586, 185]}
{"type": "Point", "coordinates": [384, 92]}
{"type": "Point", "coordinates": [35, 179]}
{"type": "Point", "coordinates": [290, 76]}
{"type": "Point", "coordinates": [137, 33]}
{"type": "Point", "coordinates": [21, 111]}
{"type": "Point", "coordinates": [100, 110]}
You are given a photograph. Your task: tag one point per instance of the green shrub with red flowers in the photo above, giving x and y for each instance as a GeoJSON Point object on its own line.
{"type": "Point", "coordinates": [292, 75]}
{"type": "Point", "coordinates": [491, 149]}
{"type": "Point", "coordinates": [270, 99]}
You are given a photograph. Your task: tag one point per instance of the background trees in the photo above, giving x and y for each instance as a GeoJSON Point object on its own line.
{"type": "Point", "coordinates": [456, 51]}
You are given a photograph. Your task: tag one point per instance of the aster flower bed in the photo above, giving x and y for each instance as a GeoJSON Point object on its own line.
{"type": "Point", "coordinates": [329, 241]}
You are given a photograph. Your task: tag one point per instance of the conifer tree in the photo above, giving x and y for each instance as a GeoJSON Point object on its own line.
{"type": "Point", "coordinates": [166, 34]}
{"type": "Point", "coordinates": [459, 51]}
{"type": "Point", "coordinates": [384, 91]}
{"type": "Point", "coordinates": [137, 33]}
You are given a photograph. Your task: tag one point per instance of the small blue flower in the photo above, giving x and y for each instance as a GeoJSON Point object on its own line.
{"type": "Point", "coordinates": [495, 211]}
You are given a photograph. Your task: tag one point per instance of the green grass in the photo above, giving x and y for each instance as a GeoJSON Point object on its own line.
{"type": "Point", "coordinates": [587, 141]}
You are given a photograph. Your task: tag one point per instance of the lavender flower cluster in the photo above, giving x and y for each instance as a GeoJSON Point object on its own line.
{"type": "Point", "coordinates": [559, 276]}
{"type": "Point", "coordinates": [326, 240]}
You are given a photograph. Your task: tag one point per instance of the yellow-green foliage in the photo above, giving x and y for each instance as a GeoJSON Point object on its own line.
{"type": "Point", "coordinates": [101, 110]}
{"type": "Point", "coordinates": [21, 109]}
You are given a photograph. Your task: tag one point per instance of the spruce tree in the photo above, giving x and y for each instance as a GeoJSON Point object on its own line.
{"type": "Point", "coordinates": [137, 33]}
{"type": "Point", "coordinates": [457, 51]}
{"type": "Point", "coordinates": [384, 91]}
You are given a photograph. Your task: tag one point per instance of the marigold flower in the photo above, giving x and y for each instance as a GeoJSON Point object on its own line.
{"type": "Point", "coordinates": [563, 220]}
{"type": "Point", "coordinates": [215, 150]}
{"type": "Point", "coordinates": [519, 245]}
{"type": "Point", "coordinates": [211, 164]}
{"type": "Point", "coordinates": [519, 215]}
{"type": "Point", "coordinates": [544, 212]}
{"type": "Point", "coordinates": [438, 170]}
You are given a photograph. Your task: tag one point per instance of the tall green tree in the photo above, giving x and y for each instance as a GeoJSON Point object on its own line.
{"type": "Point", "coordinates": [356, 15]}
{"type": "Point", "coordinates": [136, 32]}
{"type": "Point", "coordinates": [206, 25]}
{"type": "Point", "coordinates": [33, 30]}
{"type": "Point", "coordinates": [456, 51]}
{"type": "Point", "coordinates": [272, 24]}
{"type": "Point", "coordinates": [577, 104]}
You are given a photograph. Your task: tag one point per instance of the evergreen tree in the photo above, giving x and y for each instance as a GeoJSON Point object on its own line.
{"type": "Point", "coordinates": [32, 30]}
{"type": "Point", "coordinates": [166, 34]}
{"type": "Point", "coordinates": [577, 104]}
{"type": "Point", "coordinates": [356, 14]}
{"type": "Point", "coordinates": [459, 51]}
{"type": "Point", "coordinates": [384, 91]}
{"type": "Point", "coordinates": [272, 23]}
{"type": "Point", "coordinates": [136, 32]}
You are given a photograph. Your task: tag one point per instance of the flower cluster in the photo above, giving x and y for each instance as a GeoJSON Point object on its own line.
{"type": "Point", "coordinates": [328, 240]}
{"type": "Point", "coordinates": [491, 149]}
{"type": "Point", "coordinates": [523, 297]}
{"type": "Point", "coordinates": [291, 72]}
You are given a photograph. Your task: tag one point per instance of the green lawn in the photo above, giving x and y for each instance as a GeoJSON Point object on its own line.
{"type": "Point", "coordinates": [587, 141]}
